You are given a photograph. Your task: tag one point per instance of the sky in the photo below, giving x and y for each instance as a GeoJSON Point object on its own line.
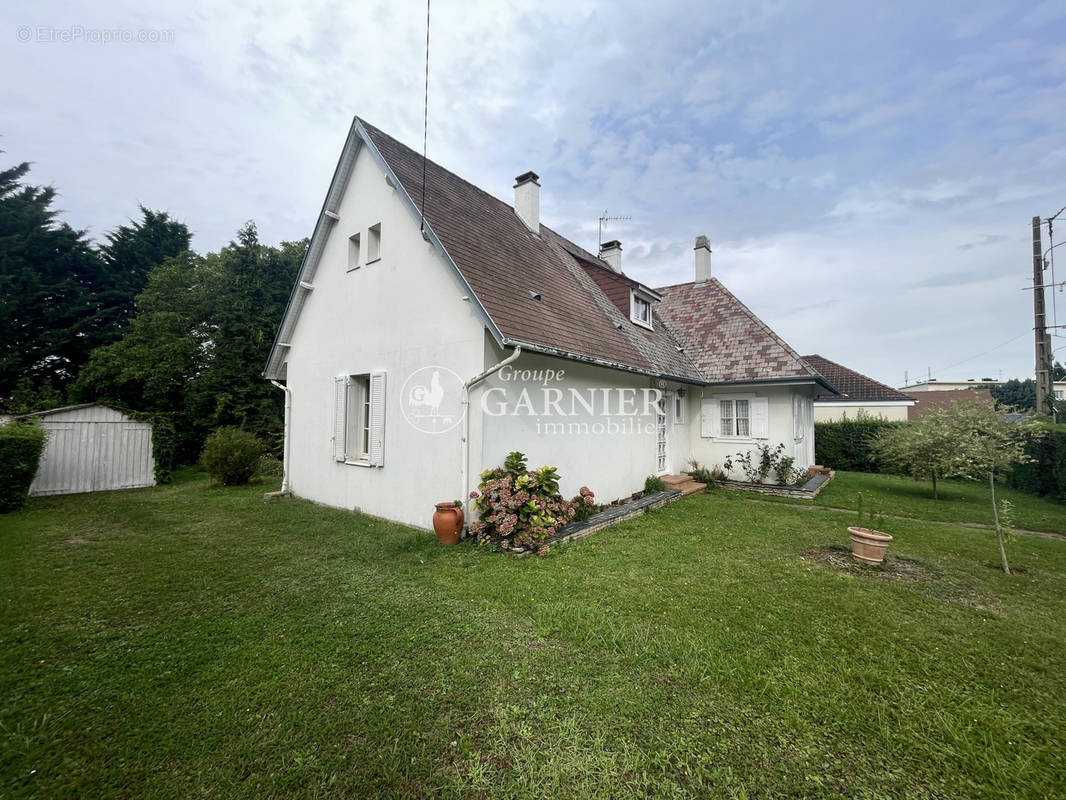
{"type": "Point", "coordinates": [867, 173]}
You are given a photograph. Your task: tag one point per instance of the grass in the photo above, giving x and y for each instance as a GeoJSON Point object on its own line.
{"type": "Point", "coordinates": [190, 641]}
{"type": "Point", "coordinates": [959, 501]}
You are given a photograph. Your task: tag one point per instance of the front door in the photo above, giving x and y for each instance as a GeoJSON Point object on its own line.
{"type": "Point", "coordinates": [661, 457]}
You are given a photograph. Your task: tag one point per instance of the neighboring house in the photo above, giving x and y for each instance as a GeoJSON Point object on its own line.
{"type": "Point", "coordinates": [1058, 389]}
{"type": "Point", "coordinates": [934, 385]}
{"type": "Point", "coordinates": [92, 448]}
{"type": "Point", "coordinates": [417, 353]}
{"type": "Point", "coordinates": [944, 399]}
{"type": "Point", "coordinates": [859, 395]}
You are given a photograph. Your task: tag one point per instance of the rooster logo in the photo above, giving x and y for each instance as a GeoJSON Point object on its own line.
{"type": "Point", "coordinates": [431, 399]}
{"type": "Point", "coordinates": [427, 397]}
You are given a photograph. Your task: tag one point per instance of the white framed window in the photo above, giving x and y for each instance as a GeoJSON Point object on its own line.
{"type": "Point", "coordinates": [353, 252]}
{"type": "Point", "coordinates": [741, 416]}
{"type": "Point", "coordinates": [679, 409]}
{"type": "Point", "coordinates": [359, 419]}
{"type": "Point", "coordinates": [373, 243]}
{"type": "Point", "coordinates": [1058, 394]}
{"type": "Point", "coordinates": [640, 309]}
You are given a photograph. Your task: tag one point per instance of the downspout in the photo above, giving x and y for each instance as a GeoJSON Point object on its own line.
{"type": "Point", "coordinates": [285, 443]}
{"type": "Point", "coordinates": [464, 459]}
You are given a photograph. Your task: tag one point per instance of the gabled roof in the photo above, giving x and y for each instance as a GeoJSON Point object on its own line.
{"type": "Point", "coordinates": [853, 385]}
{"type": "Point", "coordinates": [701, 334]}
{"type": "Point", "coordinates": [504, 261]}
{"type": "Point", "coordinates": [726, 340]}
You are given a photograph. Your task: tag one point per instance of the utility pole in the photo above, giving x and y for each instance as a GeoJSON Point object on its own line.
{"type": "Point", "coordinates": [1043, 339]}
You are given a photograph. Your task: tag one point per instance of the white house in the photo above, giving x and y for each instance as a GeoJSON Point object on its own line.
{"type": "Point", "coordinates": [416, 351]}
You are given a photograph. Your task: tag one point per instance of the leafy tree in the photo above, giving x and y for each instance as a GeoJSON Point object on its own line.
{"type": "Point", "coordinates": [1016, 394]}
{"type": "Point", "coordinates": [925, 448]}
{"type": "Point", "coordinates": [197, 344]}
{"type": "Point", "coordinates": [59, 297]}
{"type": "Point", "coordinates": [987, 445]}
{"type": "Point", "coordinates": [51, 283]}
{"type": "Point", "coordinates": [1058, 372]}
{"type": "Point", "coordinates": [131, 252]}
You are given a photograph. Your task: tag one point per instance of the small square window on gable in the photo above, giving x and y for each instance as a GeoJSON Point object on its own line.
{"type": "Point", "coordinates": [640, 309]}
{"type": "Point", "coordinates": [373, 243]}
{"type": "Point", "coordinates": [353, 252]}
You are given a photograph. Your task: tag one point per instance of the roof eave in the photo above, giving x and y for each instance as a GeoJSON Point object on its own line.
{"type": "Point", "coordinates": [533, 347]}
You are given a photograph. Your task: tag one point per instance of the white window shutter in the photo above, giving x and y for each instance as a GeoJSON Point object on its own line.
{"type": "Point", "coordinates": [708, 417]}
{"type": "Point", "coordinates": [377, 419]}
{"type": "Point", "coordinates": [798, 411]}
{"type": "Point", "coordinates": [340, 417]}
{"type": "Point", "coordinates": [760, 418]}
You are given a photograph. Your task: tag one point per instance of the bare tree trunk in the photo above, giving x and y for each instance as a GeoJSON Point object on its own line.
{"type": "Point", "coordinates": [995, 514]}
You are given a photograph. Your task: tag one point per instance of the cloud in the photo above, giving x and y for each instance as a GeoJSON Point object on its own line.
{"type": "Point", "coordinates": [864, 180]}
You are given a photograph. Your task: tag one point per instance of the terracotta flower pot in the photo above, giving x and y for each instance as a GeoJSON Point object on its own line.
{"type": "Point", "coordinates": [448, 523]}
{"type": "Point", "coordinates": [868, 545]}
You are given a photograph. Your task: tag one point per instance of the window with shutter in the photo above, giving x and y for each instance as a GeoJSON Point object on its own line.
{"type": "Point", "coordinates": [735, 417]}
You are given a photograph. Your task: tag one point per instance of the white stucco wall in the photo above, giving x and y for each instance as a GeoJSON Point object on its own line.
{"type": "Point", "coordinates": [834, 412]}
{"type": "Point", "coordinates": [712, 451]}
{"type": "Point", "coordinates": [611, 450]}
{"type": "Point", "coordinates": [399, 314]}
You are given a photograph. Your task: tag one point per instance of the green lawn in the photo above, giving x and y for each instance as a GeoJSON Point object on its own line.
{"type": "Point", "coordinates": [958, 501]}
{"type": "Point", "coordinates": [189, 641]}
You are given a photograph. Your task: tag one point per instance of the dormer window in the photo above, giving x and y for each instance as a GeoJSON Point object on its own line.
{"type": "Point", "coordinates": [640, 309]}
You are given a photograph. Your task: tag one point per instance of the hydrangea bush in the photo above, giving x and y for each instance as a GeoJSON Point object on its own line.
{"type": "Point", "coordinates": [523, 508]}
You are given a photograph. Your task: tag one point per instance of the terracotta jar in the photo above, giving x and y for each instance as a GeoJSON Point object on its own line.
{"type": "Point", "coordinates": [448, 523]}
{"type": "Point", "coordinates": [868, 545]}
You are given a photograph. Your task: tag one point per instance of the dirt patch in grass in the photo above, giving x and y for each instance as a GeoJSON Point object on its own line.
{"type": "Point", "coordinates": [892, 568]}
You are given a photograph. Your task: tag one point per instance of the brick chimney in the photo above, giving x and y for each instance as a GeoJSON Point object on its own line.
{"type": "Point", "coordinates": [611, 252]}
{"type": "Point", "coordinates": [703, 259]}
{"type": "Point", "coordinates": [527, 200]}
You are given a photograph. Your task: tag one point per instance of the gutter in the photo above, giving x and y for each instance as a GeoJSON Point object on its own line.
{"type": "Point", "coordinates": [464, 442]}
{"type": "Point", "coordinates": [285, 491]}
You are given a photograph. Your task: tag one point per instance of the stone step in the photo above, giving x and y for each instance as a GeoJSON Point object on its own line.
{"type": "Point", "coordinates": [673, 481]}
{"type": "Point", "coordinates": [685, 483]}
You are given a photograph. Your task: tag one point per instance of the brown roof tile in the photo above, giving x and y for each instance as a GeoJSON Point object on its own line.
{"type": "Point", "coordinates": [852, 385]}
{"type": "Point", "coordinates": [726, 340]}
{"type": "Point", "coordinates": [702, 334]}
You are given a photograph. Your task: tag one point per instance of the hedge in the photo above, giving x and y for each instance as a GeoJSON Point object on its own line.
{"type": "Point", "coordinates": [1045, 476]}
{"type": "Point", "coordinates": [846, 445]}
{"type": "Point", "coordinates": [21, 445]}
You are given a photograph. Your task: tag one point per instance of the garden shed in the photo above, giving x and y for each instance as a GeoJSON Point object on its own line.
{"type": "Point", "coordinates": [93, 448]}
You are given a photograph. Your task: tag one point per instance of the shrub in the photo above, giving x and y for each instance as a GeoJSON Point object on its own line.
{"type": "Point", "coordinates": [270, 467]}
{"type": "Point", "coordinates": [1045, 475]}
{"type": "Point", "coordinates": [653, 484]}
{"type": "Point", "coordinates": [21, 445]}
{"type": "Point", "coordinates": [521, 506]}
{"type": "Point", "coordinates": [231, 456]}
{"type": "Point", "coordinates": [848, 444]}
{"type": "Point", "coordinates": [764, 461]}
{"type": "Point", "coordinates": [712, 477]}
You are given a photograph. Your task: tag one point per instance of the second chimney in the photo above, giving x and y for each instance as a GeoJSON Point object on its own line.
{"type": "Point", "coordinates": [703, 259]}
{"type": "Point", "coordinates": [527, 200]}
{"type": "Point", "coordinates": [611, 252]}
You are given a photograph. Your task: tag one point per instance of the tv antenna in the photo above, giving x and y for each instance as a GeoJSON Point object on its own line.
{"type": "Point", "coordinates": [604, 219]}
